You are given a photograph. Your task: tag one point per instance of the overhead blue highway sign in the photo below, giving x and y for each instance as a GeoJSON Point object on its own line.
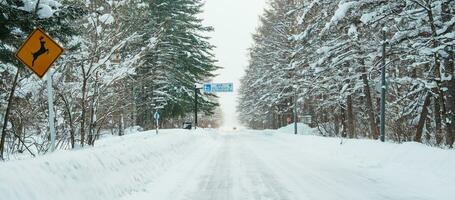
{"type": "Point", "coordinates": [218, 87]}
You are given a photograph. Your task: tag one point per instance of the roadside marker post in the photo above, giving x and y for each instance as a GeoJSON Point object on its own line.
{"type": "Point", "coordinates": [156, 116]}
{"type": "Point", "coordinates": [50, 103]}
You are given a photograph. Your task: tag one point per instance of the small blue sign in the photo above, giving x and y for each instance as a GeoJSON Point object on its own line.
{"type": "Point", "coordinates": [207, 88]}
{"type": "Point", "coordinates": [218, 87]}
{"type": "Point", "coordinates": [156, 115]}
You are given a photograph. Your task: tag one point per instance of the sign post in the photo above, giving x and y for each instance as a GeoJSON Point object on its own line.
{"type": "Point", "coordinates": [156, 116]}
{"type": "Point", "coordinates": [50, 102]}
{"type": "Point", "coordinates": [196, 89]}
{"type": "Point", "coordinates": [38, 53]}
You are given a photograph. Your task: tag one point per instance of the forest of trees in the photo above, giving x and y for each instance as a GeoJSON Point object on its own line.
{"type": "Point", "coordinates": [325, 56]}
{"type": "Point", "coordinates": [123, 60]}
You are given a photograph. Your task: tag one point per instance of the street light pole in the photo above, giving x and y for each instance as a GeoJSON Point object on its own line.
{"type": "Point", "coordinates": [295, 110]}
{"type": "Point", "coordinates": [383, 85]}
{"type": "Point", "coordinates": [195, 106]}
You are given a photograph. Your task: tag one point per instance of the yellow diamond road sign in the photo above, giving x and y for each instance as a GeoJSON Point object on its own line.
{"type": "Point", "coordinates": [39, 52]}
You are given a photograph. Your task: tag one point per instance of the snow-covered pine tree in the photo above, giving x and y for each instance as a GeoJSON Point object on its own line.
{"type": "Point", "coordinates": [272, 61]}
{"type": "Point", "coordinates": [338, 56]}
{"type": "Point", "coordinates": [181, 58]}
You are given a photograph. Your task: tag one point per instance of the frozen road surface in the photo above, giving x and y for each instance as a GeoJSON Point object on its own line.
{"type": "Point", "coordinates": [244, 165]}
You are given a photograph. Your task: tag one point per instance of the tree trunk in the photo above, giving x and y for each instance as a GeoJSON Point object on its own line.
{"type": "Point", "coordinates": [439, 97]}
{"type": "Point", "coordinates": [449, 83]}
{"type": "Point", "coordinates": [337, 125]}
{"type": "Point", "coordinates": [275, 121]}
{"type": "Point", "coordinates": [92, 126]}
{"type": "Point", "coordinates": [343, 121]}
{"type": "Point", "coordinates": [422, 118]}
{"type": "Point", "coordinates": [20, 132]}
{"type": "Point", "coordinates": [120, 125]}
{"type": "Point", "coordinates": [350, 118]}
{"type": "Point", "coordinates": [83, 110]}
{"type": "Point", "coordinates": [369, 105]}
{"type": "Point", "coordinates": [450, 104]}
{"type": "Point", "coordinates": [5, 119]}
{"type": "Point", "coordinates": [70, 120]}
{"type": "Point", "coordinates": [437, 116]}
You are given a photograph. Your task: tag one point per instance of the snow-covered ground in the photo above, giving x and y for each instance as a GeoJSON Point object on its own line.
{"type": "Point", "coordinates": [302, 129]}
{"type": "Point", "coordinates": [243, 165]}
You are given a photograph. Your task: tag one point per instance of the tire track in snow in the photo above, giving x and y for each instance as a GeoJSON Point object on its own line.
{"type": "Point", "coordinates": [180, 177]}
{"type": "Point", "coordinates": [236, 173]}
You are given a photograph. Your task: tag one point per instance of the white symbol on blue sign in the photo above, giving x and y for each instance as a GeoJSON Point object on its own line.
{"type": "Point", "coordinates": [156, 115]}
{"type": "Point", "coordinates": [207, 88]}
{"type": "Point", "coordinates": [218, 87]}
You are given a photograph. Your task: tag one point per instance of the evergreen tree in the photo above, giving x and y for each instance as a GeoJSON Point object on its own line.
{"type": "Point", "coordinates": [181, 58]}
{"type": "Point", "coordinates": [337, 51]}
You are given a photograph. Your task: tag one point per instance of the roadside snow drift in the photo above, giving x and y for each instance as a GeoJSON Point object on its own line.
{"type": "Point", "coordinates": [116, 167]}
{"type": "Point", "coordinates": [302, 129]}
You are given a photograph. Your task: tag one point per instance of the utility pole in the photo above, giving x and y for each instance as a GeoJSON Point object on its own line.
{"type": "Point", "coordinates": [50, 102]}
{"type": "Point", "coordinates": [157, 126]}
{"type": "Point", "coordinates": [156, 116]}
{"type": "Point", "coordinates": [383, 84]}
{"type": "Point", "coordinates": [195, 106]}
{"type": "Point", "coordinates": [295, 110]}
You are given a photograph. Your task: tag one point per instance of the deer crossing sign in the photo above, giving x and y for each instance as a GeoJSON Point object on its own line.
{"type": "Point", "coordinates": [39, 52]}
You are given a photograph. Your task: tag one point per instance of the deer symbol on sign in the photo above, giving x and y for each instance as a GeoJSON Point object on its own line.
{"type": "Point", "coordinates": [41, 51]}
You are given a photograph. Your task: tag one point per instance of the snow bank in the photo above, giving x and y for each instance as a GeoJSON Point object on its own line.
{"type": "Point", "coordinates": [302, 129]}
{"type": "Point", "coordinates": [99, 172]}
{"type": "Point", "coordinates": [358, 169]}
{"type": "Point", "coordinates": [398, 170]}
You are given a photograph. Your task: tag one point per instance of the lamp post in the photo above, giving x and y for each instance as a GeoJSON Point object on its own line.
{"type": "Point", "coordinates": [295, 109]}
{"type": "Point", "coordinates": [196, 89]}
{"type": "Point", "coordinates": [383, 84]}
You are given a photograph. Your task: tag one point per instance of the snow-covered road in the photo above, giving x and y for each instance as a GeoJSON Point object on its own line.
{"type": "Point", "coordinates": [215, 165]}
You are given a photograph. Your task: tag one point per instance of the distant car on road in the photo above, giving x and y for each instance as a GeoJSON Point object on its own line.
{"type": "Point", "coordinates": [187, 125]}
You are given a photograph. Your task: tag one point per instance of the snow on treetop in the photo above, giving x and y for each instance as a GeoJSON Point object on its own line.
{"type": "Point", "coordinates": [46, 8]}
{"type": "Point", "coordinates": [340, 13]}
{"type": "Point", "coordinates": [107, 19]}
{"type": "Point", "coordinates": [367, 17]}
{"type": "Point", "coordinates": [45, 11]}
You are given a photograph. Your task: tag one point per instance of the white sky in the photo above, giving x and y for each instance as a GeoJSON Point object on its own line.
{"type": "Point", "coordinates": [234, 22]}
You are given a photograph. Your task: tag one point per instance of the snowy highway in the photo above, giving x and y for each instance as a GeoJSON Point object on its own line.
{"type": "Point", "coordinates": [224, 165]}
{"type": "Point", "coordinates": [83, 85]}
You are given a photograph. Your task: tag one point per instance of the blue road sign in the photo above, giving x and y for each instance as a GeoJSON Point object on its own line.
{"type": "Point", "coordinates": [156, 115]}
{"type": "Point", "coordinates": [208, 88]}
{"type": "Point", "coordinates": [218, 87]}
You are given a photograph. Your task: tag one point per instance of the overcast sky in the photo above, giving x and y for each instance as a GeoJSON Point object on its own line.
{"type": "Point", "coordinates": [234, 22]}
